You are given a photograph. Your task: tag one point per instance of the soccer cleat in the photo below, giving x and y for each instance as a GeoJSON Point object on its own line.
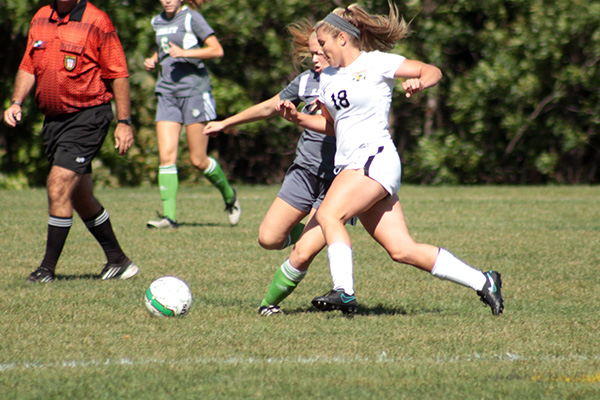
{"type": "Point", "coordinates": [233, 210]}
{"type": "Point", "coordinates": [267, 311]}
{"type": "Point", "coordinates": [124, 270]}
{"type": "Point", "coordinates": [163, 223]}
{"type": "Point", "coordinates": [490, 294]}
{"type": "Point", "coordinates": [336, 300]}
{"type": "Point", "coordinates": [40, 275]}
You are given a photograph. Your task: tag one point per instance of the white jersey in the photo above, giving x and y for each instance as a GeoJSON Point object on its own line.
{"type": "Point", "coordinates": [359, 97]}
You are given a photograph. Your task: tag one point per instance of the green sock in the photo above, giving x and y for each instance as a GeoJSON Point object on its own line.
{"type": "Point", "coordinates": [294, 235]}
{"type": "Point", "coordinates": [215, 175]}
{"type": "Point", "coordinates": [168, 182]}
{"type": "Point", "coordinates": [284, 282]}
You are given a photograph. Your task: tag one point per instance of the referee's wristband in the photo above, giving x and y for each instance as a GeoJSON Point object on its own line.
{"type": "Point", "coordinates": [17, 102]}
{"type": "Point", "coordinates": [126, 121]}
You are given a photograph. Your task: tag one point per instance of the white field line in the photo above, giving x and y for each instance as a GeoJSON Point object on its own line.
{"type": "Point", "coordinates": [382, 358]}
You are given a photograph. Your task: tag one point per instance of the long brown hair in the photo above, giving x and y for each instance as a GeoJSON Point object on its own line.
{"type": "Point", "coordinates": [195, 4]}
{"type": "Point", "coordinates": [377, 32]}
{"type": "Point", "coordinates": [301, 32]}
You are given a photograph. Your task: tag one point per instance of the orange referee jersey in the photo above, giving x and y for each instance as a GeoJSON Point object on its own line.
{"type": "Point", "coordinates": [72, 59]}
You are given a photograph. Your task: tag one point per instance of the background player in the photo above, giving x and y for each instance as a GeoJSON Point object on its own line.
{"type": "Point", "coordinates": [183, 88]}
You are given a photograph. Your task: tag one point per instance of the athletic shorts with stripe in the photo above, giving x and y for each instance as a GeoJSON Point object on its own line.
{"type": "Point", "coordinates": [380, 161]}
{"type": "Point", "coordinates": [302, 189]}
{"type": "Point", "coordinates": [187, 110]}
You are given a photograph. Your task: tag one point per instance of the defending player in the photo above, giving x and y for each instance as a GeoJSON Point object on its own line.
{"type": "Point", "coordinates": [306, 181]}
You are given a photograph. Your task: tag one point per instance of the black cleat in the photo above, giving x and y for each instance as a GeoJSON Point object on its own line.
{"type": "Point", "coordinates": [490, 294]}
{"type": "Point", "coordinates": [40, 275]}
{"type": "Point", "coordinates": [267, 311]}
{"type": "Point", "coordinates": [336, 300]}
{"type": "Point", "coordinates": [124, 270]}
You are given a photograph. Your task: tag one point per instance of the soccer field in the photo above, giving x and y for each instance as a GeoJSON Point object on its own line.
{"type": "Point", "coordinates": [414, 337]}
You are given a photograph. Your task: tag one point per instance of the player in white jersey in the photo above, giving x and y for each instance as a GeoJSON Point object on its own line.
{"type": "Point", "coordinates": [306, 181]}
{"type": "Point", "coordinates": [184, 41]}
{"type": "Point", "coordinates": [355, 98]}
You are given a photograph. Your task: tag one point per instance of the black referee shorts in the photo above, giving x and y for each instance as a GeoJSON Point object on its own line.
{"type": "Point", "coordinates": [73, 140]}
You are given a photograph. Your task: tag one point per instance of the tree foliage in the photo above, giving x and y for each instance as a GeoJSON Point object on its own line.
{"type": "Point", "coordinates": [519, 101]}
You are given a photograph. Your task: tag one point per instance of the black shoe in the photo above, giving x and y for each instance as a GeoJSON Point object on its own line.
{"type": "Point", "coordinates": [40, 275]}
{"type": "Point", "coordinates": [124, 270]}
{"type": "Point", "coordinates": [336, 300]}
{"type": "Point", "coordinates": [267, 311]}
{"type": "Point", "coordinates": [490, 294]}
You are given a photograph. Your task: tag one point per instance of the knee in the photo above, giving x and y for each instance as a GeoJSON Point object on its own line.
{"type": "Point", "coordinates": [200, 161]}
{"type": "Point", "coordinates": [59, 189]}
{"type": "Point", "coordinates": [406, 252]}
{"type": "Point", "coordinates": [399, 255]}
{"type": "Point", "coordinates": [324, 219]}
{"type": "Point", "coordinates": [302, 257]}
{"type": "Point", "coordinates": [269, 241]}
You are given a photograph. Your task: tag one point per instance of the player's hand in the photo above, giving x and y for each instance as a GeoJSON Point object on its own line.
{"type": "Point", "coordinates": [123, 138]}
{"type": "Point", "coordinates": [150, 63]}
{"type": "Point", "coordinates": [13, 115]}
{"type": "Point", "coordinates": [213, 128]}
{"type": "Point", "coordinates": [287, 110]}
{"type": "Point", "coordinates": [412, 86]}
{"type": "Point", "coordinates": [176, 51]}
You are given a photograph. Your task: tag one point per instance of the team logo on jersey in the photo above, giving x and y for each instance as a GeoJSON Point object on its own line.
{"type": "Point", "coordinates": [360, 76]}
{"type": "Point", "coordinates": [38, 43]}
{"type": "Point", "coordinates": [70, 62]}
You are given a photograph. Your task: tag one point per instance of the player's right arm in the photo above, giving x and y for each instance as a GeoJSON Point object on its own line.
{"type": "Point", "coordinates": [24, 82]}
{"type": "Point", "coordinates": [257, 112]}
{"type": "Point", "coordinates": [150, 63]}
{"type": "Point", "coordinates": [322, 123]}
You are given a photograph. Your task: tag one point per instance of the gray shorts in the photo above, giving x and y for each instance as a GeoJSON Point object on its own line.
{"type": "Point", "coordinates": [187, 110]}
{"type": "Point", "coordinates": [302, 189]}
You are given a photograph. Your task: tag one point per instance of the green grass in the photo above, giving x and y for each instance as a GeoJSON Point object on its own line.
{"type": "Point", "coordinates": [414, 336]}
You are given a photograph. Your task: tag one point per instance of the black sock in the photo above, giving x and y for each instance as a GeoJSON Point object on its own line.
{"type": "Point", "coordinates": [101, 228]}
{"type": "Point", "coordinates": [58, 230]}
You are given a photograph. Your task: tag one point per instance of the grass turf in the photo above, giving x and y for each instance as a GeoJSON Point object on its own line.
{"type": "Point", "coordinates": [414, 336]}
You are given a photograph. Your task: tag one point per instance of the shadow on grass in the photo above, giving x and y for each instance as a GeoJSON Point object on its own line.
{"type": "Point", "coordinates": [77, 277]}
{"type": "Point", "coordinates": [201, 224]}
{"type": "Point", "coordinates": [379, 309]}
{"type": "Point", "coordinates": [189, 224]}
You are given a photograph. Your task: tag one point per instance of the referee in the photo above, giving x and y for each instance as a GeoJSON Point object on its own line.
{"type": "Point", "coordinates": [76, 62]}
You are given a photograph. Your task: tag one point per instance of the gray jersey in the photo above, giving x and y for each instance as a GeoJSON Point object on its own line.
{"type": "Point", "coordinates": [315, 151]}
{"type": "Point", "coordinates": [181, 77]}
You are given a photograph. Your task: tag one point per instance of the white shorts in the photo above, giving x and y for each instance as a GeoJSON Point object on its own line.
{"type": "Point", "coordinates": [380, 162]}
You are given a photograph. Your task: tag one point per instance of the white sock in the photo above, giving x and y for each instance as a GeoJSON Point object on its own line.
{"type": "Point", "coordinates": [340, 265]}
{"type": "Point", "coordinates": [451, 268]}
{"type": "Point", "coordinates": [212, 164]}
{"type": "Point", "coordinates": [293, 274]}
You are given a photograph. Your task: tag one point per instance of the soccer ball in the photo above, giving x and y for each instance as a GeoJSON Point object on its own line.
{"type": "Point", "coordinates": [168, 296]}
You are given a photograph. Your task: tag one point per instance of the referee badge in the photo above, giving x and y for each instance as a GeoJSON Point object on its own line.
{"type": "Point", "coordinates": [70, 62]}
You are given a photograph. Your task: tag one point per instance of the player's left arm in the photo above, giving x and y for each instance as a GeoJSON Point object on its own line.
{"type": "Point", "coordinates": [419, 76]}
{"type": "Point", "coordinates": [123, 132]}
{"type": "Point", "coordinates": [212, 49]}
